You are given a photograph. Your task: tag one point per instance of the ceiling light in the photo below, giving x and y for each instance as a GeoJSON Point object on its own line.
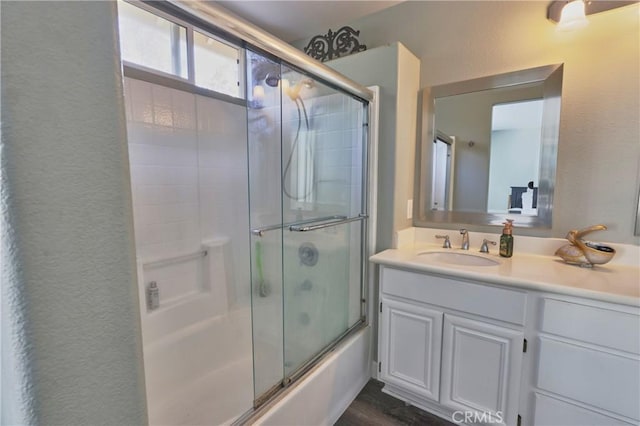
{"type": "Point", "coordinates": [572, 15]}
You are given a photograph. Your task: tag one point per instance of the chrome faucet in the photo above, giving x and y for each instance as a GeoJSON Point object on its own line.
{"type": "Point", "coordinates": [465, 239]}
{"type": "Point", "coordinates": [447, 243]}
{"type": "Point", "coordinates": [484, 248]}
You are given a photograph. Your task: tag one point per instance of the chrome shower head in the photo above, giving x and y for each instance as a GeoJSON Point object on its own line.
{"type": "Point", "coordinates": [272, 79]}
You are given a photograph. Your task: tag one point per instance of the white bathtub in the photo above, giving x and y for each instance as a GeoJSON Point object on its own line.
{"type": "Point", "coordinates": [322, 395]}
{"type": "Point", "coordinates": [197, 343]}
{"type": "Point", "coordinates": [202, 374]}
{"type": "Point", "coordinates": [198, 348]}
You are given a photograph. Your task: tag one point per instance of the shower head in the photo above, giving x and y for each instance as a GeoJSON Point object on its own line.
{"type": "Point", "coordinates": [272, 79]}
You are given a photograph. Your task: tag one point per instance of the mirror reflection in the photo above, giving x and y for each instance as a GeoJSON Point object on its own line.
{"type": "Point", "coordinates": [489, 149]}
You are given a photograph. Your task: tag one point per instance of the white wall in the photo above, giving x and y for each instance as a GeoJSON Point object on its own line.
{"type": "Point", "coordinates": [71, 344]}
{"type": "Point", "coordinates": [515, 155]}
{"type": "Point", "coordinates": [468, 117]}
{"type": "Point", "coordinates": [599, 148]}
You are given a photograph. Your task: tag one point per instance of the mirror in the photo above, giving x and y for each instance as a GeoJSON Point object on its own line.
{"type": "Point", "coordinates": [488, 150]}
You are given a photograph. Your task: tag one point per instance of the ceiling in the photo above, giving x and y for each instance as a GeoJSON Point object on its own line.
{"type": "Point", "coordinates": [295, 20]}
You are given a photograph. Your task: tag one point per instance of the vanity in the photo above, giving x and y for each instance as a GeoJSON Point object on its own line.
{"type": "Point", "coordinates": [527, 340]}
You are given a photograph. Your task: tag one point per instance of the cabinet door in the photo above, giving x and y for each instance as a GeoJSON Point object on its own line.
{"type": "Point", "coordinates": [481, 368]}
{"type": "Point", "coordinates": [410, 343]}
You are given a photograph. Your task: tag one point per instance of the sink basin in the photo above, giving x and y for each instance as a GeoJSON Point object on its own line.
{"type": "Point", "coordinates": [458, 258]}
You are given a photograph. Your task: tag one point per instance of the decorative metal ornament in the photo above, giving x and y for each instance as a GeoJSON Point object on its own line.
{"type": "Point", "coordinates": [334, 45]}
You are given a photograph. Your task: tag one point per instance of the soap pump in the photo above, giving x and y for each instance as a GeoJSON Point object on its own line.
{"type": "Point", "coordinates": [506, 239]}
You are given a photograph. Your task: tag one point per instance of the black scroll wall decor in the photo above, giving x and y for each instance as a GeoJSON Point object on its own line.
{"type": "Point", "coordinates": [334, 45]}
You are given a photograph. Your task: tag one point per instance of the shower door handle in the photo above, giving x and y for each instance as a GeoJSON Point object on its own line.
{"type": "Point", "coordinates": [260, 231]}
{"type": "Point", "coordinates": [325, 224]}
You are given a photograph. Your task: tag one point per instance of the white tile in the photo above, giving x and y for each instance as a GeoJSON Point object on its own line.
{"type": "Point", "coordinates": [162, 156]}
{"type": "Point", "coordinates": [161, 250]}
{"type": "Point", "coordinates": [184, 109]}
{"type": "Point", "coordinates": [178, 231]}
{"type": "Point", "coordinates": [157, 175]}
{"type": "Point", "coordinates": [149, 234]}
{"type": "Point", "coordinates": [152, 214]}
{"type": "Point", "coordinates": [162, 135]}
{"type": "Point", "coordinates": [127, 100]}
{"type": "Point", "coordinates": [139, 132]}
{"type": "Point", "coordinates": [184, 137]}
{"type": "Point", "coordinates": [162, 106]}
{"type": "Point", "coordinates": [329, 140]}
{"type": "Point", "coordinates": [141, 102]}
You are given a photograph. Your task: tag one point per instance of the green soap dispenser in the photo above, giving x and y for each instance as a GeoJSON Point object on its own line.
{"type": "Point", "coordinates": [506, 239]}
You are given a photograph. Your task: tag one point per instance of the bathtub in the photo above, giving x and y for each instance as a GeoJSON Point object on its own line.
{"type": "Point", "coordinates": [323, 394]}
{"type": "Point", "coordinates": [197, 342]}
{"type": "Point", "coordinates": [202, 374]}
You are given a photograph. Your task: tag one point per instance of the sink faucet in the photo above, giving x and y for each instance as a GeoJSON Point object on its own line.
{"type": "Point", "coordinates": [484, 248]}
{"type": "Point", "coordinates": [465, 239]}
{"type": "Point", "coordinates": [447, 243]}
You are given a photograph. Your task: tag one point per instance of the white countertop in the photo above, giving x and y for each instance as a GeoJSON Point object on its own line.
{"type": "Point", "coordinates": [617, 283]}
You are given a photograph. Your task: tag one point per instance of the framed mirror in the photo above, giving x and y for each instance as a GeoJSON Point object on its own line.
{"type": "Point", "coordinates": [488, 150]}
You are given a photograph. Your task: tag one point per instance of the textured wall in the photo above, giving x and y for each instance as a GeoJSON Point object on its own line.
{"type": "Point", "coordinates": [379, 66]}
{"type": "Point", "coordinates": [599, 150]}
{"type": "Point", "coordinates": [70, 317]}
{"type": "Point", "coordinates": [396, 71]}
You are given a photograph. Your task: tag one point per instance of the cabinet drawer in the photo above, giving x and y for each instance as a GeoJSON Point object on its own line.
{"type": "Point", "coordinates": [592, 324]}
{"type": "Point", "coordinates": [491, 302]}
{"type": "Point", "coordinates": [601, 379]}
{"type": "Point", "coordinates": [552, 412]}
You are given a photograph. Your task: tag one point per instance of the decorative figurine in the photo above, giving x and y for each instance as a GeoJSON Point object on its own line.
{"type": "Point", "coordinates": [585, 253]}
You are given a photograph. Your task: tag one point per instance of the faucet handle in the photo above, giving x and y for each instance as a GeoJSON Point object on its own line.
{"type": "Point", "coordinates": [447, 243]}
{"type": "Point", "coordinates": [484, 248]}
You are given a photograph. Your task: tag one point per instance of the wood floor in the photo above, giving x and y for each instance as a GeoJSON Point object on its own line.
{"type": "Point", "coordinates": [374, 408]}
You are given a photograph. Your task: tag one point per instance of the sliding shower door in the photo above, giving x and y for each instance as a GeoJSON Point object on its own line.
{"type": "Point", "coordinates": [264, 137]}
{"type": "Point", "coordinates": [307, 160]}
{"type": "Point", "coordinates": [322, 196]}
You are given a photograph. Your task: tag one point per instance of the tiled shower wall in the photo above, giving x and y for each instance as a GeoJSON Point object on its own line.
{"type": "Point", "coordinates": [187, 156]}
{"type": "Point", "coordinates": [338, 125]}
{"type": "Point", "coordinates": [335, 121]}
{"type": "Point", "coordinates": [188, 162]}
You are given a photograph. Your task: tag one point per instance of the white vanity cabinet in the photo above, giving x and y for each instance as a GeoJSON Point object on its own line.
{"type": "Point", "coordinates": [481, 367]}
{"type": "Point", "coordinates": [588, 369]}
{"type": "Point", "coordinates": [450, 346]}
{"type": "Point", "coordinates": [411, 341]}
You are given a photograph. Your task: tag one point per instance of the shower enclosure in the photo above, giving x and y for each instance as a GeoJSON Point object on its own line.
{"type": "Point", "coordinates": [307, 168]}
{"type": "Point", "coordinates": [250, 217]}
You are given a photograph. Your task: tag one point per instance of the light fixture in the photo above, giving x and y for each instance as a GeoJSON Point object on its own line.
{"type": "Point", "coordinates": [572, 15]}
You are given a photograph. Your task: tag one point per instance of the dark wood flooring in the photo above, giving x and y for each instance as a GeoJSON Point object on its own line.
{"type": "Point", "coordinates": [372, 407]}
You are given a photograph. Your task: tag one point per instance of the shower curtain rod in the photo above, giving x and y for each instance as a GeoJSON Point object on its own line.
{"type": "Point", "coordinates": [256, 36]}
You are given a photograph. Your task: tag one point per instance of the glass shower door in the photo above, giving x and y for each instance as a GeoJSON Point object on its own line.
{"type": "Point", "coordinates": [323, 198]}
{"type": "Point", "coordinates": [264, 139]}
{"type": "Point", "coordinates": [307, 159]}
